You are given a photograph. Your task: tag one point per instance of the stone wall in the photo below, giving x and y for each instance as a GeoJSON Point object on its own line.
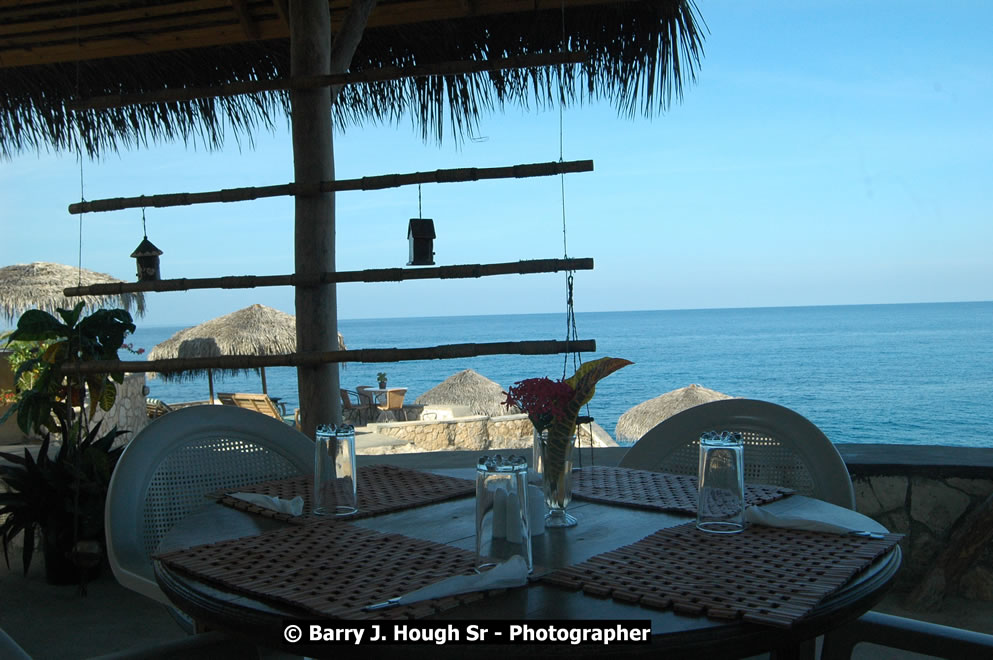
{"type": "Point", "coordinates": [934, 496]}
{"type": "Point", "coordinates": [128, 412]}
{"type": "Point", "coordinates": [475, 433]}
{"type": "Point", "coordinates": [928, 511]}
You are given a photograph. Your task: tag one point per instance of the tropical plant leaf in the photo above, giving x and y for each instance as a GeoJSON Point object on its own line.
{"type": "Point", "coordinates": [562, 429]}
{"type": "Point", "coordinates": [71, 316]}
{"type": "Point", "coordinates": [36, 325]}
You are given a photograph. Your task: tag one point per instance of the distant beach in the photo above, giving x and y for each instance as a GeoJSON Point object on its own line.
{"type": "Point", "coordinates": [894, 374]}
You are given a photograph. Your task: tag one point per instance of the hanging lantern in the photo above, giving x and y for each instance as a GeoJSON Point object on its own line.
{"type": "Point", "coordinates": [147, 256]}
{"type": "Point", "coordinates": [420, 235]}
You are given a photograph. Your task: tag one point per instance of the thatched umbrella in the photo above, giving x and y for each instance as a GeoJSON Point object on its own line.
{"type": "Point", "coordinates": [255, 330]}
{"type": "Point", "coordinates": [39, 285]}
{"type": "Point", "coordinates": [640, 419]}
{"type": "Point", "coordinates": [468, 388]}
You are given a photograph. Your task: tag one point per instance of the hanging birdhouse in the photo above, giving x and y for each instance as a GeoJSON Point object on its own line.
{"type": "Point", "coordinates": [147, 256]}
{"type": "Point", "coordinates": [420, 235]}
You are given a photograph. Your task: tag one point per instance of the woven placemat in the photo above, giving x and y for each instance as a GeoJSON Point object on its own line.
{"type": "Point", "coordinates": [329, 569]}
{"type": "Point", "coordinates": [656, 491]}
{"type": "Point", "coordinates": [763, 575]}
{"type": "Point", "coordinates": [381, 489]}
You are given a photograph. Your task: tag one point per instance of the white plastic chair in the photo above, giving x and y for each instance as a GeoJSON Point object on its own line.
{"type": "Point", "coordinates": [782, 448]}
{"type": "Point", "coordinates": [168, 468]}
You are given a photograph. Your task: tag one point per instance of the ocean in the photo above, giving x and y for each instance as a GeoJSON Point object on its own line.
{"type": "Point", "coordinates": [895, 374]}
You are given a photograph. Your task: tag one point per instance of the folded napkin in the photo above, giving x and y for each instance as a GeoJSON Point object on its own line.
{"type": "Point", "coordinates": [816, 516]}
{"type": "Point", "coordinates": [511, 573]}
{"type": "Point", "coordinates": [293, 507]}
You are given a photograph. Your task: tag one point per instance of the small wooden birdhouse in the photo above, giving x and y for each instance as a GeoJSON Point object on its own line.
{"type": "Point", "coordinates": [420, 234]}
{"type": "Point", "coordinates": [147, 256]}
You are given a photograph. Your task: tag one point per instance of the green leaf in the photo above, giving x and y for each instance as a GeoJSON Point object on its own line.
{"type": "Point", "coordinates": [36, 325]}
{"type": "Point", "coordinates": [108, 396]}
{"type": "Point", "coordinates": [71, 316]}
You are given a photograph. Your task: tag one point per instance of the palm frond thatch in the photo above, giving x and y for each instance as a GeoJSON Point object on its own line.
{"type": "Point", "coordinates": [254, 330]}
{"type": "Point", "coordinates": [468, 388]}
{"type": "Point", "coordinates": [39, 285]}
{"type": "Point", "coordinates": [640, 419]}
{"type": "Point", "coordinates": [641, 54]}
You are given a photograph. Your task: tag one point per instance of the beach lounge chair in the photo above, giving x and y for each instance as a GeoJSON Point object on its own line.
{"type": "Point", "coordinates": [260, 403]}
{"type": "Point", "coordinates": [156, 408]}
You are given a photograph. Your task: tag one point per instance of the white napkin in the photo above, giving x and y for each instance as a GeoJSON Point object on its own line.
{"type": "Point", "coordinates": [511, 573]}
{"type": "Point", "coordinates": [293, 507]}
{"type": "Point", "coordinates": [815, 516]}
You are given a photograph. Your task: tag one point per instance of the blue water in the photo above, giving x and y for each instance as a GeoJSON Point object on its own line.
{"type": "Point", "coordinates": [896, 374]}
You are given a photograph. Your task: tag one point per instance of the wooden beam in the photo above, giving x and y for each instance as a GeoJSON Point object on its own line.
{"type": "Point", "coordinates": [245, 18]}
{"type": "Point", "coordinates": [283, 9]}
{"type": "Point", "coordinates": [369, 275]}
{"type": "Point", "coordinates": [365, 183]}
{"type": "Point", "coordinates": [369, 355]}
{"type": "Point", "coordinates": [378, 75]}
{"type": "Point", "coordinates": [314, 213]}
{"type": "Point", "coordinates": [169, 32]}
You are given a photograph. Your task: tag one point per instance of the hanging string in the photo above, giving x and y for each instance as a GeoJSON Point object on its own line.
{"type": "Point", "coordinates": [144, 231]}
{"type": "Point", "coordinates": [572, 330]}
{"type": "Point", "coordinates": [420, 211]}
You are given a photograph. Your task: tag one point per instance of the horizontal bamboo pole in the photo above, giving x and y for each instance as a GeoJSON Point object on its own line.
{"type": "Point", "coordinates": [365, 183]}
{"type": "Point", "coordinates": [309, 82]}
{"type": "Point", "coordinates": [368, 275]}
{"type": "Point", "coordinates": [443, 352]}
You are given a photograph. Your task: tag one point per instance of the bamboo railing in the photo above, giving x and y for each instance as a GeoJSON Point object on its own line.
{"type": "Point", "coordinates": [443, 352]}
{"type": "Point", "coordinates": [364, 183]}
{"type": "Point", "coordinates": [368, 275]}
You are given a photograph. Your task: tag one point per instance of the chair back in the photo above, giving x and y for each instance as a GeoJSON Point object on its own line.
{"type": "Point", "coordinates": [168, 468]}
{"type": "Point", "coordinates": [346, 399]}
{"type": "Point", "coordinates": [782, 448]}
{"type": "Point", "coordinates": [365, 398]}
{"type": "Point", "coordinates": [394, 399]}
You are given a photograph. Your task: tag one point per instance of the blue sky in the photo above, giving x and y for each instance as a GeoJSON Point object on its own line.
{"type": "Point", "coordinates": [829, 153]}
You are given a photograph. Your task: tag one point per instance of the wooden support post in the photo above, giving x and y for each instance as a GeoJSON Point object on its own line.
{"type": "Point", "coordinates": [313, 162]}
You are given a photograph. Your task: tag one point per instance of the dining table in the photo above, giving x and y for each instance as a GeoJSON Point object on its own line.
{"type": "Point", "coordinates": [249, 571]}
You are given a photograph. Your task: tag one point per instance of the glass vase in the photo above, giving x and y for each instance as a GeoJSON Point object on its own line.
{"type": "Point", "coordinates": [553, 461]}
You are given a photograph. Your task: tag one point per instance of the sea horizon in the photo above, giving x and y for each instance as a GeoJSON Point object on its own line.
{"type": "Point", "coordinates": [859, 372]}
{"type": "Point", "coordinates": [617, 311]}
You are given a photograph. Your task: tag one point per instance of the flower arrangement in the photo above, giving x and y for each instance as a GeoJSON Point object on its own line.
{"type": "Point", "coordinates": [555, 404]}
{"type": "Point", "coordinates": [553, 407]}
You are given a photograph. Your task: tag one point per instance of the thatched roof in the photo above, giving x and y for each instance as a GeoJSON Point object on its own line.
{"type": "Point", "coordinates": [255, 330]}
{"type": "Point", "coordinates": [39, 285]}
{"type": "Point", "coordinates": [468, 388]}
{"type": "Point", "coordinates": [640, 419]}
{"type": "Point", "coordinates": [640, 54]}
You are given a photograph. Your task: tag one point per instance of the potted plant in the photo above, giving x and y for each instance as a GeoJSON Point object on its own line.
{"type": "Point", "coordinates": [381, 377]}
{"type": "Point", "coordinates": [63, 496]}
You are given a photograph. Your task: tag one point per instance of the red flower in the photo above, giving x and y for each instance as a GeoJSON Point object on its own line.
{"type": "Point", "coordinates": [543, 399]}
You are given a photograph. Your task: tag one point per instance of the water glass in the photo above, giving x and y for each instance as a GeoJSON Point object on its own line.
{"type": "Point", "coordinates": [721, 504]}
{"type": "Point", "coordinates": [502, 525]}
{"type": "Point", "coordinates": [335, 491]}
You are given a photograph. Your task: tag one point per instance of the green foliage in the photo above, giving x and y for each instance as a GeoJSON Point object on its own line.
{"type": "Point", "coordinates": [46, 345]}
{"type": "Point", "coordinates": [64, 495]}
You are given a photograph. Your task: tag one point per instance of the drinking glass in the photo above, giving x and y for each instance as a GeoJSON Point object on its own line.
{"type": "Point", "coordinates": [721, 504]}
{"type": "Point", "coordinates": [335, 491]}
{"type": "Point", "coordinates": [502, 525]}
